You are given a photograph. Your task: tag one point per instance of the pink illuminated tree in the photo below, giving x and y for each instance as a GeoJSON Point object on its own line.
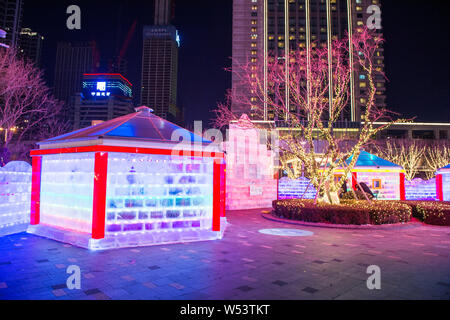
{"type": "Point", "coordinates": [297, 94]}
{"type": "Point", "coordinates": [27, 108]}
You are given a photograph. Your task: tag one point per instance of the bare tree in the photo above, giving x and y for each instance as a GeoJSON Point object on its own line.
{"type": "Point", "coordinates": [407, 153]}
{"type": "Point", "coordinates": [26, 104]}
{"type": "Point", "coordinates": [297, 93]}
{"type": "Point", "coordinates": [436, 157]}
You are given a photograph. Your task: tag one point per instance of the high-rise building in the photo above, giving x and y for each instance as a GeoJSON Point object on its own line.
{"type": "Point", "coordinates": [160, 65]}
{"type": "Point", "coordinates": [104, 96]}
{"type": "Point", "coordinates": [30, 45]}
{"type": "Point", "coordinates": [11, 20]}
{"type": "Point", "coordinates": [261, 27]}
{"type": "Point", "coordinates": [72, 61]}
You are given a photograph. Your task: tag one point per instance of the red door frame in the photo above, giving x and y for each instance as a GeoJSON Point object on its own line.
{"type": "Point", "coordinates": [439, 188]}
{"type": "Point", "coordinates": [402, 186]}
{"type": "Point", "coordinates": [35, 217]}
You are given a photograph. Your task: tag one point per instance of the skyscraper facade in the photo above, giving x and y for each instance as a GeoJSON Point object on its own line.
{"type": "Point", "coordinates": [11, 20]}
{"type": "Point", "coordinates": [262, 27]}
{"type": "Point", "coordinates": [72, 61]}
{"type": "Point", "coordinates": [160, 64]}
{"type": "Point", "coordinates": [104, 96]}
{"type": "Point", "coordinates": [30, 45]}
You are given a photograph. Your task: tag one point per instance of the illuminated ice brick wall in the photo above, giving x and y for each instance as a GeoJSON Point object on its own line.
{"type": "Point", "coordinates": [300, 188]}
{"type": "Point", "coordinates": [158, 196]}
{"type": "Point", "coordinates": [390, 184]}
{"type": "Point", "coordinates": [446, 185]}
{"type": "Point", "coordinates": [250, 181]}
{"type": "Point", "coordinates": [418, 189]}
{"type": "Point", "coordinates": [67, 182]}
{"type": "Point", "coordinates": [15, 196]}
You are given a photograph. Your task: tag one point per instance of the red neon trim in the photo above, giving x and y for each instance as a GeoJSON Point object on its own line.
{"type": "Point", "coordinates": [99, 203]}
{"type": "Point", "coordinates": [102, 148]}
{"type": "Point", "coordinates": [36, 191]}
{"type": "Point", "coordinates": [354, 180]}
{"type": "Point", "coordinates": [439, 188]}
{"type": "Point", "coordinates": [402, 186]}
{"type": "Point", "coordinates": [216, 197]}
{"type": "Point", "coordinates": [108, 74]}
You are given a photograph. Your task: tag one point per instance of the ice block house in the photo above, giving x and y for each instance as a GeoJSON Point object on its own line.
{"type": "Point", "coordinates": [443, 184]}
{"type": "Point", "coordinates": [135, 180]}
{"type": "Point", "coordinates": [384, 178]}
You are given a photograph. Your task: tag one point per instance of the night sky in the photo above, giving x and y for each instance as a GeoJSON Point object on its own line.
{"type": "Point", "coordinates": [417, 52]}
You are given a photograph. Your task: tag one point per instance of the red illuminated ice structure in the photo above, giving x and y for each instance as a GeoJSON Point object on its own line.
{"type": "Point", "coordinates": [443, 184]}
{"type": "Point", "coordinates": [128, 182]}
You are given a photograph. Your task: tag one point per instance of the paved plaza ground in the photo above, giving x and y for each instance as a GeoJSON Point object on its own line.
{"type": "Point", "coordinates": [246, 264]}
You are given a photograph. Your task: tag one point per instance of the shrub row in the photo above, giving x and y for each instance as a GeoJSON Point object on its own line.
{"type": "Point", "coordinates": [350, 212]}
{"type": "Point", "coordinates": [431, 212]}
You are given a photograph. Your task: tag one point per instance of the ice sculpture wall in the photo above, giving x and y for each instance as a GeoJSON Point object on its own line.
{"type": "Point", "coordinates": [15, 193]}
{"type": "Point", "coordinates": [67, 182]}
{"type": "Point", "coordinates": [250, 181]}
{"type": "Point", "coordinates": [300, 188]}
{"type": "Point", "coordinates": [419, 189]}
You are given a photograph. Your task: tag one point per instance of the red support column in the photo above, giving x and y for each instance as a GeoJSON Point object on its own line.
{"type": "Point", "coordinates": [402, 186]}
{"type": "Point", "coordinates": [277, 176]}
{"type": "Point", "coordinates": [354, 180]}
{"type": "Point", "coordinates": [99, 203]}
{"type": "Point", "coordinates": [439, 188]}
{"type": "Point", "coordinates": [35, 213]}
{"type": "Point", "coordinates": [223, 190]}
{"type": "Point", "coordinates": [216, 196]}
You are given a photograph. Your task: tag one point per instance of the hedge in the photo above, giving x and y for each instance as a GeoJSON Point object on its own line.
{"type": "Point", "coordinates": [349, 212]}
{"type": "Point", "coordinates": [431, 212]}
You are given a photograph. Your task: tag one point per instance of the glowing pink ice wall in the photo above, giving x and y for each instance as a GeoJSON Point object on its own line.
{"type": "Point", "coordinates": [250, 180]}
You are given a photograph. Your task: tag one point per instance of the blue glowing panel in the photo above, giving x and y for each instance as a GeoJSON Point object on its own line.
{"type": "Point", "coordinates": [15, 196]}
{"type": "Point", "coordinates": [286, 232]}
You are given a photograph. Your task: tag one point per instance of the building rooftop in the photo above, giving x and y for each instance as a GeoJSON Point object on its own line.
{"type": "Point", "coordinates": [367, 159]}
